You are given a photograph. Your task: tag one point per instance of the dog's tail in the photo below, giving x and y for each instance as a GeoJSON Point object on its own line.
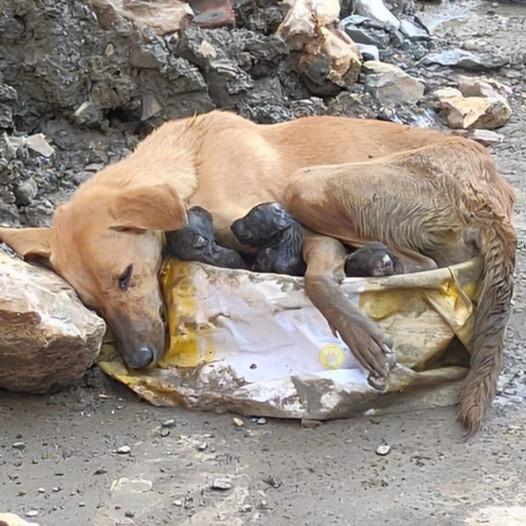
{"type": "Point", "coordinates": [498, 241]}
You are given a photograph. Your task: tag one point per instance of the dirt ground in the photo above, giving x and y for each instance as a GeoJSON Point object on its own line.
{"type": "Point", "coordinates": [60, 456]}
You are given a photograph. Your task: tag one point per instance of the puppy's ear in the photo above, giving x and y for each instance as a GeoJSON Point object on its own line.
{"type": "Point", "coordinates": [282, 219]}
{"type": "Point", "coordinates": [30, 243]}
{"type": "Point", "coordinates": [155, 207]}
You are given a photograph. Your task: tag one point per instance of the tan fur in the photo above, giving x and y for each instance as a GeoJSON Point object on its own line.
{"type": "Point", "coordinates": [228, 165]}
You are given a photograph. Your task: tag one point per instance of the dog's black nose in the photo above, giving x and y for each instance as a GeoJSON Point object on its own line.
{"type": "Point", "coordinates": [140, 358]}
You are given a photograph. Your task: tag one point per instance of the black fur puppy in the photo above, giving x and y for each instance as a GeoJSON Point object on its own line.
{"type": "Point", "coordinates": [373, 259]}
{"type": "Point", "coordinates": [271, 228]}
{"type": "Point", "coordinates": [196, 242]}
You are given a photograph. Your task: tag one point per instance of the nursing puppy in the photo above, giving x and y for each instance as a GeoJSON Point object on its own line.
{"type": "Point", "coordinates": [271, 229]}
{"type": "Point", "coordinates": [372, 260]}
{"type": "Point", "coordinates": [196, 242]}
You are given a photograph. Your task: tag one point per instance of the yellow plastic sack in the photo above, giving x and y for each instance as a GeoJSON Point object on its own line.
{"type": "Point", "coordinates": [254, 344]}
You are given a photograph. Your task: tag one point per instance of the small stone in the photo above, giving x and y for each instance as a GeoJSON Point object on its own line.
{"type": "Point", "coordinates": [471, 45]}
{"type": "Point", "coordinates": [377, 11]}
{"type": "Point", "coordinates": [123, 450]}
{"type": "Point", "coordinates": [55, 489]}
{"type": "Point", "coordinates": [178, 503]}
{"type": "Point", "coordinates": [82, 504]}
{"type": "Point", "coordinates": [237, 422]}
{"type": "Point", "coordinates": [308, 423]}
{"type": "Point", "coordinates": [412, 31]}
{"type": "Point", "coordinates": [202, 447]}
{"type": "Point", "coordinates": [368, 52]}
{"type": "Point", "coordinates": [487, 137]}
{"type": "Point", "coordinates": [460, 58]}
{"type": "Point", "coordinates": [25, 192]}
{"type": "Point", "coordinates": [32, 513]}
{"type": "Point", "coordinates": [19, 445]}
{"type": "Point", "coordinates": [39, 144]}
{"type": "Point", "coordinates": [221, 484]}
{"type": "Point", "coordinates": [246, 508]}
{"type": "Point", "coordinates": [21, 492]}
{"type": "Point", "coordinates": [261, 421]}
{"type": "Point", "coordinates": [383, 449]}
{"type": "Point", "coordinates": [168, 423]}
{"type": "Point", "coordinates": [41, 490]}
{"type": "Point", "coordinates": [100, 471]}
{"type": "Point", "coordinates": [129, 514]}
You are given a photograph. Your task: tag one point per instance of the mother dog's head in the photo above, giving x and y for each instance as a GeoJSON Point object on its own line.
{"type": "Point", "coordinates": [107, 243]}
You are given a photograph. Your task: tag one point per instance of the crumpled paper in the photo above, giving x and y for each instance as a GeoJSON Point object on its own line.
{"type": "Point", "coordinates": [254, 344]}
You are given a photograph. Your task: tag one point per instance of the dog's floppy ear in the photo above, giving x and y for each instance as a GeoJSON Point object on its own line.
{"type": "Point", "coordinates": [28, 242]}
{"type": "Point", "coordinates": [155, 207]}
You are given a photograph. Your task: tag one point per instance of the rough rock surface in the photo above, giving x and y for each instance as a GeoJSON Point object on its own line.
{"type": "Point", "coordinates": [47, 337]}
{"type": "Point", "coordinates": [390, 84]}
{"type": "Point", "coordinates": [472, 112]}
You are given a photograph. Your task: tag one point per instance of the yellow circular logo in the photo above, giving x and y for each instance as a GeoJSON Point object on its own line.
{"type": "Point", "coordinates": [332, 356]}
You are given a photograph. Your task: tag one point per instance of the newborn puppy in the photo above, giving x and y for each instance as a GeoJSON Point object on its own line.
{"type": "Point", "coordinates": [374, 259]}
{"type": "Point", "coordinates": [196, 242]}
{"type": "Point", "coordinates": [272, 228]}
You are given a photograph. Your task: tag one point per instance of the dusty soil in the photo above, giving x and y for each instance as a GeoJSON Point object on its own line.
{"type": "Point", "coordinates": [59, 454]}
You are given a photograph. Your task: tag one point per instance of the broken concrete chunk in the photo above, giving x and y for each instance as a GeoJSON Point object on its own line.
{"type": "Point", "coordinates": [324, 55]}
{"type": "Point", "coordinates": [87, 113]}
{"type": "Point", "coordinates": [478, 87]}
{"type": "Point", "coordinates": [162, 16]}
{"type": "Point", "coordinates": [150, 106]}
{"type": "Point", "coordinates": [10, 519]}
{"type": "Point", "coordinates": [36, 142]}
{"type": "Point", "coordinates": [474, 112]}
{"type": "Point", "coordinates": [486, 137]}
{"type": "Point", "coordinates": [391, 85]}
{"type": "Point", "coordinates": [376, 10]}
{"type": "Point", "coordinates": [369, 52]}
{"type": "Point", "coordinates": [461, 58]}
{"type": "Point", "coordinates": [412, 31]}
{"type": "Point", "coordinates": [213, 13]}
{"type": "Point", "coordinates": [362, 30]}
{"type": "Point", "coordinates": [47, 337]}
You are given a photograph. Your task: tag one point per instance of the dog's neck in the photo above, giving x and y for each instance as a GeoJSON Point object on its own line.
{"type": "Point", "coordinates": [166, 156]}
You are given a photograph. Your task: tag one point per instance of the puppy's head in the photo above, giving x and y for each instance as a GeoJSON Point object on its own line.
{"type": "Point", "coordinates": [263, 225]}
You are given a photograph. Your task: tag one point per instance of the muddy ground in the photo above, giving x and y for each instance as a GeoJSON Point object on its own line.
{"type": "Point", "coordinates": [59, 454]}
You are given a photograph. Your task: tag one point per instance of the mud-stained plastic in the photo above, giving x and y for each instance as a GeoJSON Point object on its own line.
{"type": "Point", "coordinates": [254, 344]}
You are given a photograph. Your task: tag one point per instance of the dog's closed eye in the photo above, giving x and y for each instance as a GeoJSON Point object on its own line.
{"type": "Point", "coordinates": [125, 277]}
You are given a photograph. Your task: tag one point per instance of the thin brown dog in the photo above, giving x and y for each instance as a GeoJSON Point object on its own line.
{"type": "Point", "coordinates": [107, 242]}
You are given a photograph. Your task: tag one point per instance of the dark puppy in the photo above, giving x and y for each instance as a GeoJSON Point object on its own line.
{"type": "Point", "coordinates": [272, 228]}
{"type": "Point", "coordinates": [196, 242]}
{"type": "Point", "coordinates": [373, 259]}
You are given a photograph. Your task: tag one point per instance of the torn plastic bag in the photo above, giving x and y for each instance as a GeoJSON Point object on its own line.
{"type": "Point", "coordinates": [254, 344]}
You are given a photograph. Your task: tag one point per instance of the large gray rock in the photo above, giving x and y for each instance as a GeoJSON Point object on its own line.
{"type": "Point", "coordinates": [47, 337]}
{"type": "Point", "coordinates": [391, 85]}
